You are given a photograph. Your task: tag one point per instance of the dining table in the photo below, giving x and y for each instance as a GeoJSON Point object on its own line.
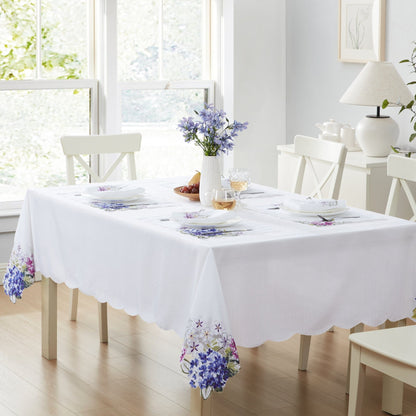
{"type": "Point", "coordinates": [264, 271]}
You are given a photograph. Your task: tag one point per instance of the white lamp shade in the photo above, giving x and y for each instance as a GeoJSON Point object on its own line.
{"type": "Point", "coordinates": [376, 82]}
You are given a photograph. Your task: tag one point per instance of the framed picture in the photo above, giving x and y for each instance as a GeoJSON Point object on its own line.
{"type": "Point", "coordinates": [361, 30]}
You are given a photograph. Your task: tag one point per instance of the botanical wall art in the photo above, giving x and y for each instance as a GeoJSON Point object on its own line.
{"type": "Point", "coordinates": [361, 30]}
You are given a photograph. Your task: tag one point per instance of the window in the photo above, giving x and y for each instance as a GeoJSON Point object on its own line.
{"type": "Point", "coordinates": [163, 69]}
{"type": "Point", "coordinates": [44, 91]}
{"type": "Point", "coordinates": [158, 56]}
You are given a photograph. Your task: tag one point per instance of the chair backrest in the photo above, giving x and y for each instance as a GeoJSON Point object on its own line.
{"type": "Point", "coordinates": [310, 149]}
{"type": "Point", "coordinates": [403, 170]}
{"type": "Point", "coordinates": [123, 144]}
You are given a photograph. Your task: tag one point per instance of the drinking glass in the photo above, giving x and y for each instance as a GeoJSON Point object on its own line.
{"type": "Point", "coordinates": [224, 199]}
{"type": "Point", "coordinates": [239, 180]}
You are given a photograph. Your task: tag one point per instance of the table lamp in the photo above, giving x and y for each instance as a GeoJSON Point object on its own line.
{"type": "Point", "coordinates": [376, 82]}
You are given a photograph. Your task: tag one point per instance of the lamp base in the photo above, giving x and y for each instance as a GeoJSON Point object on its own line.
{"type": "Point", "coordinates": [376, 135]}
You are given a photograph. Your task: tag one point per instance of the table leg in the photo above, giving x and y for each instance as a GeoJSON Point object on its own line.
{"type": "Point", "coordinates": [102, 321]}
{"type": "Point", "coordinates": [357, 328]}
{"type": "Point", "coordinates": [49, 318]}
{"type": "Point", "coordinates": [305, 342]}
{"type": "Point", "coordinates": [74, 304]}
{"type": "Point", "coordinates": [392, 399]}
{"type": "Point", "coordinates": [199, 406]}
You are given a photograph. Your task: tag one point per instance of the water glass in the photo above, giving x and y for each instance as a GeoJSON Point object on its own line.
{"type": "Point", "coordinates": [223, 199]}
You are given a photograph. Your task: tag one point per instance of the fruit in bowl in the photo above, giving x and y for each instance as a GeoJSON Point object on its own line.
{"type": "Point", "coordinates": [191, 190]}
{"type": "Point", "coordinates": [195, 179]}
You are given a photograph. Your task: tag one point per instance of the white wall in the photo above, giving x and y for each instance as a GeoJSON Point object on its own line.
{"type": "Point", "coordinates": [316, 79]}
{"type": "Point", "coordinates": [254, 57]}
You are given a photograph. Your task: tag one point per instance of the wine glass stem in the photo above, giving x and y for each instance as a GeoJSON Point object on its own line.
{"type": "Point", "coordinates": [238, 198]}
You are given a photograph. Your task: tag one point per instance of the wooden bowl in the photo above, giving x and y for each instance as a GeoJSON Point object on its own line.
{"type": "Point", "coordinates": [192, 197]}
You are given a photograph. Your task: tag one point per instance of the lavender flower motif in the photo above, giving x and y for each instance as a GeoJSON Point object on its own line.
{"type": "Point", "coordinates": [322, 223]}
{"type": "Point", "coordinates": [209, 356]}
{"type": "Point", "coordinates": [20, 274]}
{"type": "Point", "coordinates": [213, 131]}
{"type": "Point", "coordinates": [104, 188]}
{"type": "Point", "coordinates": [193, 214]}
{"type": "Point", "coordinates": [207, 232]}
{"type": "Point", "coordinates": [201, 232]}
{"type": "Point", "coordinates": [109, 205]}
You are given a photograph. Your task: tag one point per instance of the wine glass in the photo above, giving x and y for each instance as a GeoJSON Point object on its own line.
{"type": "Point", "coordinates": [239, 181]}
{"type": "Point", "coordinates": [223, 199]}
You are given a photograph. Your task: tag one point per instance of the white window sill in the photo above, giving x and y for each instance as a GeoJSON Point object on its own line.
{"type": "Point", "coordinates": [9, 215]}
{"type": "Point", "coordinates": [10, 208]}
{"type": "Point", "coordinates": [14, 212]}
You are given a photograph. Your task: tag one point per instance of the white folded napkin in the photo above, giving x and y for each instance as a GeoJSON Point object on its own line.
{"type": "Point", "coordinates": [313, 205]}
{"type": "Point", "coordinates": [114, 192]}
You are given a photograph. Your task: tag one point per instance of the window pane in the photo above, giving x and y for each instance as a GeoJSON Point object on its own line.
{"type": "Point", "coordinates": [139, 37]}
{"type": "Point", "coordinates": [31, 124]}
{"type": "Point", "coordinates": [17, 39]}
{"type": "Point", "coordinates": [160, 106]}
{"type": "Point", "coordinates": [138, 50]}
{"type": "Point", "coordinates": [156, 114]}
{"type": "Point", "coordinates": [64, 39]}
{"type": "Point", "coordinates": [182, 39]}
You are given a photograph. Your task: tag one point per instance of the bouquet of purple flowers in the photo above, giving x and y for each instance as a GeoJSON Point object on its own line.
{"type": "Point", "coordinates": [212, 130]}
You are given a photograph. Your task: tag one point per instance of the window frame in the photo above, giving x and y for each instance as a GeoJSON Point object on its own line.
{"type": "Point", "coordinates": [163, 84]}
{"type": "Point", "coordinates": [107, 67]}
{"type": "Point", "coordinates": [11, 207]}
{"type": "Point", "coordinates": [105, 87]}
{"type": "Point", "coordinates": [8, 207]}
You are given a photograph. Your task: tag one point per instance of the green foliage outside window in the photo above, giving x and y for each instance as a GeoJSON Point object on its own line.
{"type": "Point", "coordinates": [31, 121]}
{"type": "Point", "coordinates": [18, 44]}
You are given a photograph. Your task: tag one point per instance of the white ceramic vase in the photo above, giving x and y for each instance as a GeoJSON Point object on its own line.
{"type": "Point", "coordinates": [210, 179]}
{"type": "Point", "coordinates": [376, 135]}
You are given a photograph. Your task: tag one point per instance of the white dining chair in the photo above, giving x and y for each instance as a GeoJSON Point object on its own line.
{"type": "Point", "coordinates": [326, 183]}
{"type": "Point", "coordinates": [313, 151]}
{"type": "Point", "coordinates": [390, 351]}
{"type": "Point", "coordinates": [74, 148]}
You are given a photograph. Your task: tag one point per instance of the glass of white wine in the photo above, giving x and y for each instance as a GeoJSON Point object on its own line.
{"type": "Point", "coordinates": [223, 199]}
{"type": "Point", "coordinates": [239, 181]}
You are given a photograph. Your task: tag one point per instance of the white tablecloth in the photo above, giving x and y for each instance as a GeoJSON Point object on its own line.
{"type": "Point", "coordinates": [282, 277]}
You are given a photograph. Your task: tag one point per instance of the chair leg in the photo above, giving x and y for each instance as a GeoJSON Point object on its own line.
{"type": "Point", "coordinates": [392, 401]}
{"type": "Point", "coordinates": [102, 321]}
{"type": "Point", "coordinates": [74, 304]}
{"type": "Point", "coordinates": [305, 342]}
{"type": "Point", "coordinates": [357, 382]}
{"type": "Point", "coordinates": [357, 328]}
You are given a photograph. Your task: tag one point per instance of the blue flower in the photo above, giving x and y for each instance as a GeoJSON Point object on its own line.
{"type": "Point", "coordinates": [213, 132]}
{"type": "Point", "coordinates": [14, 282]}
{"type": "Point", "coordinates": [216, 359]}
{"type": "Point", "coordinates": [209, 371]}
{"type": "Point", "coordinates": [20, 274]}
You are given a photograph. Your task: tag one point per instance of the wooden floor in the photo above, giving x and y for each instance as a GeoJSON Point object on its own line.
{"type": "Point", "coordinates": [138, 374]}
